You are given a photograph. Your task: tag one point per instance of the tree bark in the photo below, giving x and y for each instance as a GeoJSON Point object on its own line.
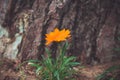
{"type": "Point", "coordinates": [94, 26]}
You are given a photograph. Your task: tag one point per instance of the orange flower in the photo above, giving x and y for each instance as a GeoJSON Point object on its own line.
{"type": "Point", "coordinates": [57, 35]}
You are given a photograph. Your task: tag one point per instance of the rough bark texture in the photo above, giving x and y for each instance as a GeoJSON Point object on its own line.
{"type": "Point", "coordinates": [94, 26]}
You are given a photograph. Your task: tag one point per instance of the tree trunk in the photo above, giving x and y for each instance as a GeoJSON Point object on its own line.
{"type": "Point", "coordinates": [94, 26]}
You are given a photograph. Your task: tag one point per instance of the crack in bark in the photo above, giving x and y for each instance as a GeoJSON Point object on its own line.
{"type": "Point", "coordinates": [41, 48]}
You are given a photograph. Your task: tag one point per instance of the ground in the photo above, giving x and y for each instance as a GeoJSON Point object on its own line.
{"type": "Point", "coordinates": [9, 71]}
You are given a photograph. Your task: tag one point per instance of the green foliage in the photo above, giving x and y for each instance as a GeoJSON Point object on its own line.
{"type": "Point", "coordinates": [119, 38]}
{"type": "Point", "coordinates": [59, 68]}
{"type": "Point", "coordinates": [1, 63]}
{"type": "Point", "coordinates": [117, 49]}
{"type": "Point", "coordinates": [107, 71]}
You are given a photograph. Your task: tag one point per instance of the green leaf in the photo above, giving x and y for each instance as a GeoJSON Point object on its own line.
{"type": "Point", "coordinates": [117, 49]}
{"type": "Point", "coordinates": [34, 64]}
{"type": "Point", "coordinates": [111, 78]}
{"type": "Point", "coordinates": [107, 71]}
{"type": "Point", "coordinates": [47, 51]}
{"type": "Point", "coordinates": [34, 61]}
{"type": "Point", "coordinates": [119, 38]}
{"type": "Point", "coordinates": [56, 74]}
{"type": "Point", "coordinates": [68, 59]}
{"type": "Point", "coordinates": [74, 63]}
{"type": "Point", "coordinates": [38, 69]}
{"type": "Point", "coordinates": [64, 48]}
